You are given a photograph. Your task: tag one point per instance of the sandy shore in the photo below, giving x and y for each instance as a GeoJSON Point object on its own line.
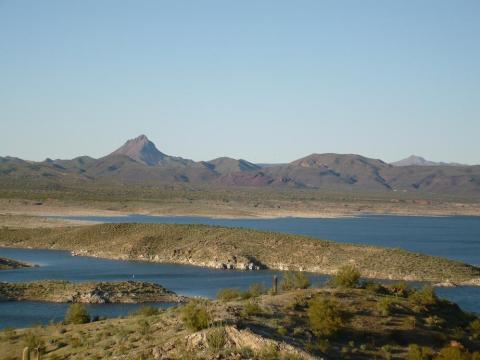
{"type": "Point", "coordinates": [24, 213]}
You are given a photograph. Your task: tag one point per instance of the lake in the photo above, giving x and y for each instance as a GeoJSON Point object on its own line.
{"type": "Point", "coordinates": [456, 238]}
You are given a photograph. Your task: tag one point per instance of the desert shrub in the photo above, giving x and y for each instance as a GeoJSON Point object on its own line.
{"type": "Point", "coordinates": [196, 315]}
{"type": "Point", "coordinates": [416, 352]}
{"type": "Point", "coordinates": [229, 294]}
{"type": "Point", "coordinates": [144, 326]}
{"type": "Point", "coordinates": [475, 329]}
{"type": "Point", "coordinates": [282, 330]}
{"type": "Point", "coordinates": [452, 353]}
{"type": "Point", "coordinates": [269, 353]}
{"type": "Point", "coordinates": [386, 351]}
{"type": "Point", "coordinates": [256, 290]}
{"type": "Point", "coordinates": [246, 353]}
{"type": "Point", "coordinates": [373, 287]}
{"type": "Point", "coordinates": [146, 310]}
{"type": "Point", "coordinates": [251, 308]}
{"type": "Point", "coordinates": [434, 321]}
{"type": "Point", "coordinates": [77, 314]}
{"type": "Point", "coordinates": [8, 333]}
{"type": "Point", "coordinates": [385, 306]}
{"type": "Point", "coordinates": [424, 297]}
{"type": "Point", "coordinates": [347, 277]}
{"type": "Point", "coordinates": [400, 289]}
{"type": "Point", "coordinates": [325, 316]}
{"type": "Point", "coordinates": [294, 280]}
{"type": "Point", "coordinates": [323, 345]}
{"type": "Point", "coordinates": [216, 338]}
{"type": "Point", "coordinates": [33, 341]}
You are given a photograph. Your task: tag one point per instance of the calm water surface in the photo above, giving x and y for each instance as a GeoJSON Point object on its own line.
{"type": "Point", "coordinates": [456, 238]}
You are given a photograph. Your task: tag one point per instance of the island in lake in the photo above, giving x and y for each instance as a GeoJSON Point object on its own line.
{"type": "Point", "coordinates": [92, 293]}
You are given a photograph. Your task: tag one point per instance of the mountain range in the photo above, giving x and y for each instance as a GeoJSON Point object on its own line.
{"type": "Point", "coordinates": [139, 162]}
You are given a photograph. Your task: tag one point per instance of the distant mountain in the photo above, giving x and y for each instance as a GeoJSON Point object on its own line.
{"type": "Point", "coordinates": [139, 162]}
{"type": "Point", "coordinates": [226, 165]}
{"type": "Point", "coordinates": [414, 160]}
{"type": "Point", "coordinates": [142, 150]}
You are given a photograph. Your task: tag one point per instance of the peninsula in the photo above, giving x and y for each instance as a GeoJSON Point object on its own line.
{"type": "Point", "coordinates": [236, 248]}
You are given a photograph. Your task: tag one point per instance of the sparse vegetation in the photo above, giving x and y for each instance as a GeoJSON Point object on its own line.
{"type": "Point", "coordinates": [424, 297]}
{"type": "Point", "coordinates": [333, 323]}
{"type": "Point", "coordinates": [229, 294]}
{"type": "Point", "coordinates": [77, 314]}
{"type": "Point", "coordinates": [196, 315]}
{"type": "Point", "coordinates": [385, 306]}
{"type": "Point", "coordinates": [146, 310]}
{"type": "Point", "coordinates": [346, 276]}
{"type": "Point", "coordinates": [251, 308]}
{"type": "Point", "coordinates": [294, 280]}
{"type": "Point", "coordinates": [416, 352]}
{"type": "Point", "coordinates": [325, 316]}
{"type": "Point", "coordinates": [216, 338]}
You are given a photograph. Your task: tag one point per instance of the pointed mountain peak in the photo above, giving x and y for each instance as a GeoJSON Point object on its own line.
{"type": "Point", "coordinates": [140, 139]}
{"type": "Point", "coordinates": [142, 150]}
{"type": "Point", "coordinates": [414, 160]}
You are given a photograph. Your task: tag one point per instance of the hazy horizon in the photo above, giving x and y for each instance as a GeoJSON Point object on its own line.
{"type": "Point", "coordinates": [268, 81]}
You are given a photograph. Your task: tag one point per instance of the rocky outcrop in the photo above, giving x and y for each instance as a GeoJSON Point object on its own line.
{"type": "Point", "coordinates": [6, 264]}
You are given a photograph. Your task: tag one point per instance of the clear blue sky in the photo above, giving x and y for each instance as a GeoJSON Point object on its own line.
{"type": "Point", "coordinates": [264, 80]}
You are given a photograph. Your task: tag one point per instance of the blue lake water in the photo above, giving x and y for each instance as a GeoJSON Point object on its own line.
{"type": "Point", "coordinates": [456, 238]}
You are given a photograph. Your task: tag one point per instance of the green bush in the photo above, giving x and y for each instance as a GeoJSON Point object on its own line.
{"type": "Point", "coordinates": [452, 353]}
{"type": "Point", "coordinates": [33, 341]}
{"type": "Point", "coordinates": [347, 277]}
{"type": "Point", "coordinates": [229, 294]}
{"type": "Point", "coordinates": [146, 310]}
{"type": "Point", "coordinates": [385, 306]}
{"type": "Point", "coordinates": [8, 333]}
{"type": "Point", "coordinates": [195, 315]}
{"type": "Point", "coordinates": [256, 290]}
{"type": "Point", "coordinates": [216, 338]}
{"type": "Point", "coordinates": [77, 314]}
{"type": "Point", "coordinates": [424, 297]}
{"type": "Point", "coordinates": [475, 329]}
{"type": "Point", "coordinates": [325, 316]}
{"type": "Point", "coordinates": [416, 352]}
{"type": "Point", "coordinates": [251, 308]}
{"type": "Point", "coordinates": [294, 280]}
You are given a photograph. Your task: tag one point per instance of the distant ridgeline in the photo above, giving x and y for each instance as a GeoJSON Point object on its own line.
{"type": "Point", "coordinates": [139, 162]}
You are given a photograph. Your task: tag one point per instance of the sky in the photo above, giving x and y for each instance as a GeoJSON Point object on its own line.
{"type": "Point", "coordinates": [262, 80]}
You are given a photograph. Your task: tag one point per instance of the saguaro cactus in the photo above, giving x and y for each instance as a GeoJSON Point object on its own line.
{"type": "Point", "coordinates": [38, 355]}
{"type": "Point", "coordinates": [26, 353]}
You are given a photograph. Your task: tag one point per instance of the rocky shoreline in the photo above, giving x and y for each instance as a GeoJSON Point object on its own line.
{"type": "Point", "coordinates": [91, 293]}
{"type": "Point", "coordinates": [7, 264]}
